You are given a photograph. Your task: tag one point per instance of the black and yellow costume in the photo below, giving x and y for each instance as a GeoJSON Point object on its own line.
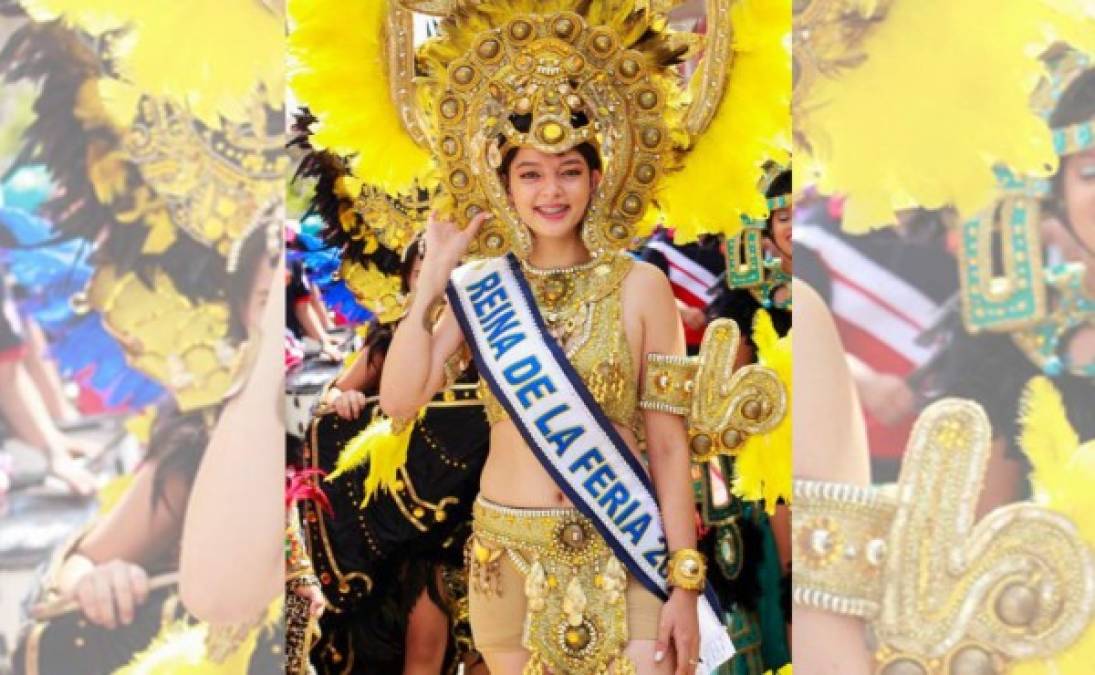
{"type": "Point", "coordinates": [373, 560]}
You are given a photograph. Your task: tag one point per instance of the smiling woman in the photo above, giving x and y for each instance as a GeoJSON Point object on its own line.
{"type": "Point", "coordinates": [549, 129]}
{"type": "Point", "coordinates": [551, 192]}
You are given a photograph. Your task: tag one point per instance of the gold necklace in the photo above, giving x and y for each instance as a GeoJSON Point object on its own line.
{"type": "Point", "coordinates": [566, 295]}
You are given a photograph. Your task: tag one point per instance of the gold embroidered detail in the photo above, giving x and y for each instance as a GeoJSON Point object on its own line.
{"type": "Point", "coordinates": [687, 569]}
{"type": "Point", "coordinates": [939, 590]}
{"type": "Point", "coordinates": [222, 640]}
{"type": "Point", "coordinates": [182, 343]}
{"type": "Point", "coordinates": [576, 619]}
{"type": "Point", "coordinates": [584, 314]}
{"type": "Point", "coordinates": [484, 565]}
{"type": "Point", "coordinates": [668, 383]}
{"type": "Point", "coordinates": [413, 507]}
{"type": "Point", "coordinates": [723, 409]}
{"type": "Point", "coordinates": [211, 182]}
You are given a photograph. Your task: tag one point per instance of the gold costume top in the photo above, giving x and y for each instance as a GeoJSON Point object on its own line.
{"type": "Point", "coordinates": [582, 307]}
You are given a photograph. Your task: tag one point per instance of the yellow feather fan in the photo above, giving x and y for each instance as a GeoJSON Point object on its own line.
{"type": "Point", "coordinates": [1062, 476]}
{"type": "Point", "coordinates": [383, 447]}
{"type": "Point", "coordinates": [211, 54]}
{"type": "Point", "coordinates": [719, 181]}
{"type": "Point", "coordinates": [338, 70]}
{"type": "Point", "coordinates": [935, 103]}
{"type": "Point", "coordinates": [182, 648]}
{"type": "Point", "coordinates": [762, 470]}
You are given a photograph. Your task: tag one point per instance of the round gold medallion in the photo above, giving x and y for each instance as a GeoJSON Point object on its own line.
{"type": "Point", "coordinates": [573, 535]}
{"type": "Point", "coordinates": [732, 438]}
{"type": "Point", "coordinates": [904, 667]}
{"type": "Point", "coordinates": [552, 132]}
{"type": "Point", "coordinates": [629, 68]}
{"type": "Point", "coordinates": [701, 445]}
{"type": "Point", "coordinates": [520, 30]}
{"type": "Point", "coordinates": [972, 661]}
{"type": "Point", "coordinates": [644, 173]}
{"type": "Point", "coordinates": [488, 49]}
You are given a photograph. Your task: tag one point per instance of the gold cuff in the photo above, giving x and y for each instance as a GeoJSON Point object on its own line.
{"type": "Point", "coordinates": [723, 406]}
{"type": "Point", "coordinates": [687, 569]}
{"type": "Point", "coordinates": [668, 383]}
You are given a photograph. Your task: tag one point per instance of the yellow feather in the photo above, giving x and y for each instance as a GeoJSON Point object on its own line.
{"type": "Point", "coordinates": [111, 493]}
{"type": "Point", "coordinates": [1063, 473]}
{"type": "Point", "coordinates": [181, 649]}
{"type": "Point", "coordinates": [924, 125]}
{"type": "Point", "coordinates": [338, 70]}
{"type": "Point", "coordinates": [381, 448]}
{"type": "Point", "coordinates": [1047, 438]}
{"type": "Point", "coordinates": [140, 425]}
{"type": "Point", "coordinates": [211, 54]}
{"type": "Point", "coordinates": [763, 468]}
{"type": "Point", "coordinates": [719, 181]}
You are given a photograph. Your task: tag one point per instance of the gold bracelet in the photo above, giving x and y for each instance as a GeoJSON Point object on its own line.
{"type": "Point", "coordinates": [687, 569]}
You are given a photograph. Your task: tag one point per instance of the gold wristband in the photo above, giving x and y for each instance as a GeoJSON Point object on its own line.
{"type": "Point", "coordinates": [687, 569]}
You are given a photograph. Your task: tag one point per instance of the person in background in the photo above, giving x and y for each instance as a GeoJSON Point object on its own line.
{"type": "Point", "coordinates": [693, 270]}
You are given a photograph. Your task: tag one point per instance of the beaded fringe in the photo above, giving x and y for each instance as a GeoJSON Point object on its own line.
{"type": "Point", "coordinates": [621, 665]}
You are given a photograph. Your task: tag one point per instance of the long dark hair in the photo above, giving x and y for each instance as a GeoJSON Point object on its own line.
{"type": "Point", "coordinates": [177, 440]}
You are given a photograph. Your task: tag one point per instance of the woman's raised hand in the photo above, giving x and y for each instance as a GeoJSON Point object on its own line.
{"type": "Point", "coordinates": [446, 243]}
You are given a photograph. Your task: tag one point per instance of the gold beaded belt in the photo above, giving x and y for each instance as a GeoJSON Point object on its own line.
{"type": "Point", "coordinates": [576, 618]}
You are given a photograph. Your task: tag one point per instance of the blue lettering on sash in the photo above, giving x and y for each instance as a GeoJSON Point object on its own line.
{"type": "Point", "coordinates": [502, 328]}
{"type": "Point", "coordinates": [619, 520]}
{"type": "Point", "coordinates": [658, 557]}
{"type": "Point", "coordinates": [613, 499]}
{"type": "Point", "coordinates": [490, 301]}
{"type": "Point", "coordinates": [589, 459]}
{"type": "Point", "coordinates": [520, 371]}
{"type": "Point", "coordinates": [498, 328]}
{"type": "Point", "coordinates": [485, 284]}
{"type": "Point", "coordinates": [506, 343]}
{"type": "Point", "coordinates": [637, 527]}
{"type": "Point", "coordinates": [503, 324]}
{"type": "Point", "coordinates": [565, 438]}
{"type": "Point", "coordinates": [536, 390]}
{"type": "Point", "coordinates": [495, 313]}
{"type": "Point", "coordinates": [601, 477]}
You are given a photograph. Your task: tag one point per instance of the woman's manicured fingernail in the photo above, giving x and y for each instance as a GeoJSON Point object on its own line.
{"type": "Point", "coordinates": [658, 656]}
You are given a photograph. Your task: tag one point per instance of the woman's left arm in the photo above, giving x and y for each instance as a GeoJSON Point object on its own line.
{"type": "Point", "coordinates": [670, 464]}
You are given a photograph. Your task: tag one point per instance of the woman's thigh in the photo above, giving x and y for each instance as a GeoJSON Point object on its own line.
{"type": "Point", "coordinates": [641, 653]}
{"type": "Point", "coordinates": [506, 662]}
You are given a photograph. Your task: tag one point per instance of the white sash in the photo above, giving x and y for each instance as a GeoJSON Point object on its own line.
{"type": "Point", "coordinates": [567, 430]}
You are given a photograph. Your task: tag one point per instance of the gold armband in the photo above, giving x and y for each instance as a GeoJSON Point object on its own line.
{"type": "Point", "coordinates": [939, 588]}
{"type": "Point", "coordinates": [687, 569]}
{"type": "Point", "coordinates": [667, 385]}
{"type": "Point", "coordinates": [722, 406]}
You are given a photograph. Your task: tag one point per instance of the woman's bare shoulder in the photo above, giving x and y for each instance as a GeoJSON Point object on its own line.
{"type": "Point", "coordinates": [830, 436]}
{"type": "Point", "coordinates": [643, 277]}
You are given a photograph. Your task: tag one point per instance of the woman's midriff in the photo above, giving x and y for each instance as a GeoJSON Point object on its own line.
{"type": "Point", "coordinates": [513, 476]}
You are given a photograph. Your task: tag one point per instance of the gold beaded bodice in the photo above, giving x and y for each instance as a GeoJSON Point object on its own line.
{"type": "Point", "coordinates": [583, 309]}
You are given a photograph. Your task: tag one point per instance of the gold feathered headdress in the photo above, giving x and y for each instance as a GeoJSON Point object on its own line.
{"type": "Point", "coordinates": [167, 195]}
{"type": "Point", "coordinates": [551, 75]}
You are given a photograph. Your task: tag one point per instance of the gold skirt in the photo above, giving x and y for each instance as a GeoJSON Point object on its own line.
{"type": "Point", "coordinates": [544, 580]}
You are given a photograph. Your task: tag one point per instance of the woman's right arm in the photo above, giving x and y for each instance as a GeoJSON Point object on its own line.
{"type": "Point", "coordinates": [830, 445]}
{"type": "Point", "coordinates": [415, 365]}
